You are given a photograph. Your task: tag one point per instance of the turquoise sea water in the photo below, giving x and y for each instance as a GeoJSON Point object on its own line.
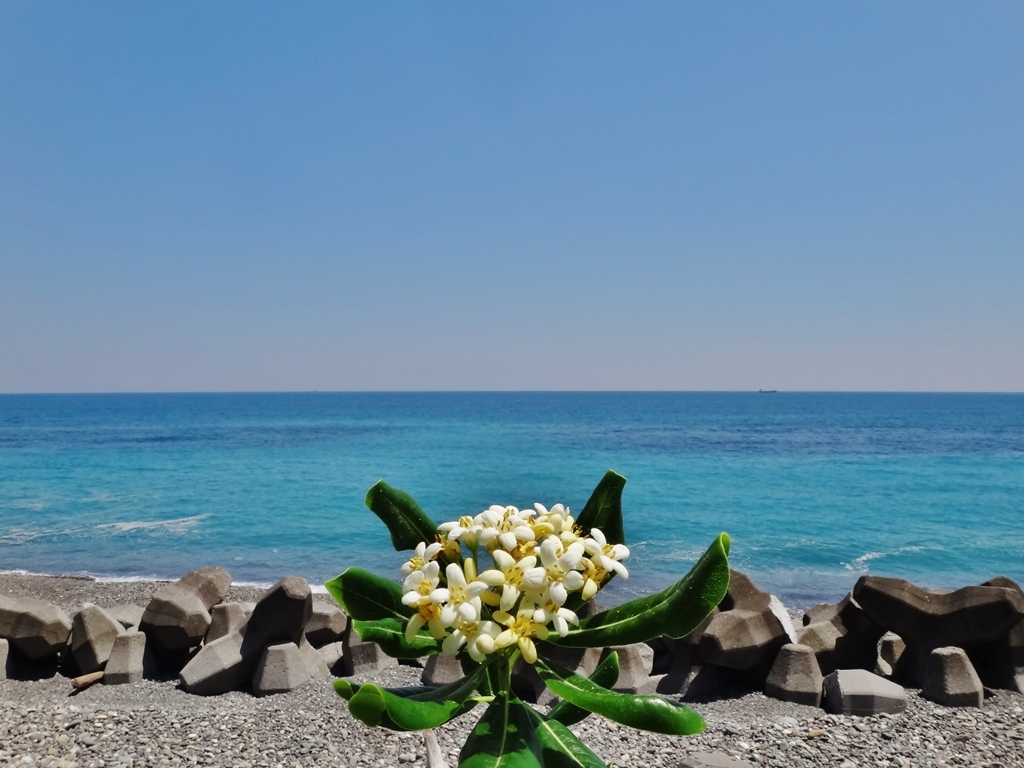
{"type": "Point", "coordinates": [815, 489]}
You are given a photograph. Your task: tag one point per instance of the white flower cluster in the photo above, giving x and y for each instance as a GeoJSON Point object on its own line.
{"type": "Point", "coordinates": [538, 557]}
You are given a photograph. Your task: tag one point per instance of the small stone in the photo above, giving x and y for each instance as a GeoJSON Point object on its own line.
{"type": "Point", "coordinates": [708, 760]}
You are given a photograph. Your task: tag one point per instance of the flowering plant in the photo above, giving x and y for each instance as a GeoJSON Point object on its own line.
{"type": "Point", "coordinates": [509, 584]}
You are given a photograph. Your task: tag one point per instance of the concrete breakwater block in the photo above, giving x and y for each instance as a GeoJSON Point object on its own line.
{"type": "Point", "coordinates": [795, 676]}
{"type": "Point", "coordinates": [748, 630]}
{"type": "Point", "coordinates": [636, 662]}
{"type": "Point", "coordinates": [178, 615]}
{"type": "Point", "coordinates": [890, 651]}
{"type": "Point", "coordinates": [950, 679]}
{"type": "Point", "coordinates": [93, 632]}
{"type": "Point", "coordinates": [441, 669]}
{"type": "Point", "coordinates": [742, 639]}
{"type": "Point", "coordinates": [327, 624]}
{"type": "Point", "coordinates": [842, 636]}
{"type": "Point", "coordinates": [859, 692]}
{"type": "Point", "coordinates": [281, 668]}
{"type": "Point", "coordinates": [128, 616]}
{"type": "Point", "coordinates": [229, 662]}
{"type": "Point", "coordinates": [1000, 664]}
{"type": "Point", "coordinates": [5, 649]}
{"type": "Point", "coordinates": [925, 620]}
{"type": "Point", "coordinates": [130, 660]}
{"type": "Point", "coordinates": [226, 618]}
{"type": "Point", "coordinates": [37, 628]}
{"type": "Point", "coordinates": [332, 654]}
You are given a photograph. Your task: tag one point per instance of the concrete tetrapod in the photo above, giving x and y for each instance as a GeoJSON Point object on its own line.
{"type": "Point", "coordinates": [93, 632]}
{"type": "Point", "coordinates": [37, 628]}
{"type": "Point", "coordinates": [859, 692]}
{"type": "Point", "coordinates": [129, 660]}
{"type": "Point", "coordinates": [229, 662]}
{"type": "Point", "coordinates": [950, 679]}
{"type": "Point", "coordinates": [966, 618]}
{"type": "Point", "coordinates": [795, 676]}
{"type": "Point", "coordinates": [326, 625]}
{"type": "Point", "coordinates": [178, 614]}
{"type": "Point", "coordinates": [281, 668]}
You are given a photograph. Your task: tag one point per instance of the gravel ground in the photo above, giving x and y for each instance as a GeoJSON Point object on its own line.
{"type": "Point", "coordinates": [42, 723]}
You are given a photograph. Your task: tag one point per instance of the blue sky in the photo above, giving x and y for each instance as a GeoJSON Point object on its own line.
{"type": "Point", "coordinates": [254, 196]}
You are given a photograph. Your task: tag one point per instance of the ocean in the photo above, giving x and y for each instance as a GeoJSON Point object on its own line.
{"type": "Point", "coordinates": [815, 489]}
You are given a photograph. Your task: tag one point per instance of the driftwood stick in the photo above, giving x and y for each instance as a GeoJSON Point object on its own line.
{"type": "Point", "coordinates": [434, 757]}
{"type": "Point", "coordinates": [86, 680]}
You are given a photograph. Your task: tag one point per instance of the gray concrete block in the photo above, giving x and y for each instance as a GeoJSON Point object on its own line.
{"type": "Point", "coordinates": [742, 639]}
{"type": "Point", "coordinates": [859, 692]}
{"type": "Point", "coordinates": [950, 679]}
{"type": "Point", "coordinates": [332, 654]}
{"type": "Point", "coordinates": [327, 624]}
{"type": "Point", "coordinates": [890, 650]}
{"type": "Point", "coordinates": [795, 676]}
{"type": "Point", "coordinates": [129, 660]}
{"type": "Point", "coordinates": [315, 664]}
{"type": "Point", "coordinates": [128, 616]}
{"type": "Point", "coordinates": [281, 669]}
{"type": "Point", "coordinates": [441, 669]}
{"type": "Point", "coordinates": [636, 662]}
{"type": "Point", "coordinates": [37, 628]}
{"type": "Point", "coordinates": [93, 632]}
{"type": "Point", "coordinates": [5, 650]}
{"type": "Point", "coordinates": [229, 662]}
{"type": "Point", "coordinates": [226, 618]}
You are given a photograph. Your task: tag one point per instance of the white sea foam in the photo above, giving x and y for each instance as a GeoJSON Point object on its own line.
{"type": "Point", "coordinates": [861, 563]}
{"type": "Point", "coordinates": [178, 525]}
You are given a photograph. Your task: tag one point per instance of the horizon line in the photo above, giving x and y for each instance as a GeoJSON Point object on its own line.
{"type": "Point", "coordinates": [513, 392]}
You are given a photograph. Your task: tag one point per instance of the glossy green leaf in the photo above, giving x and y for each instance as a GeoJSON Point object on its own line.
{"type": "Point", "coordinates": [368, 597]}
{"type": "Point", "coordinates": [408, 524]}
{"type": "Point", "coordinates": [647, 713]}
{"type": "Point", "coordinates": [408, 709]}
{"type": "Point", "coordinates": [559, 746]}
{"type": "Point", "coordinates": [389, 634]}
{"type": "Point", "coordinates": [604, 509]}
{"type": "Point", "coordinates": [673, 612]}
{"type": "Point", "coordinates": [606, 675]}
{"type": "Point", "coordinates": [504, 738]}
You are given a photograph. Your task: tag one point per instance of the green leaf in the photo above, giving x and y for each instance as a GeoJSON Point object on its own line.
{"type": "Point", "coordinates": [408, 709]}
{"type": "Point", "coordinates": [604, 509]}
{"type": "Point", "coordinates": [606, 675]}
{"type": "Point", "coordinates": [504, 738]}
{"type": "Point", "coordinates": [560, 747]}
{"type": "Point", "coordinates": [389, 634]}
{"type": "Point", "coordinates": [409, 525]}
{"type": "Point", "coordinates": [673, 612]}
{"type": "Point", "coordinates": [368, 597]}
{"type": "Point", "coordinates": [648, 713]}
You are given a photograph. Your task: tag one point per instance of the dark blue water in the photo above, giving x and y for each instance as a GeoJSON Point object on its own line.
{"type": "Point", "coordinates": [815, 489]}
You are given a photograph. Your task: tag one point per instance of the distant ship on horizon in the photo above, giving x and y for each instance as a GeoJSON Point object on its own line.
{"type": "Point", "coordinates": [767, 391]}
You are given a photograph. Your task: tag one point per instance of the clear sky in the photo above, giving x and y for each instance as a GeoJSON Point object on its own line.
{"type": "Point", "coordinates": [571, 195]}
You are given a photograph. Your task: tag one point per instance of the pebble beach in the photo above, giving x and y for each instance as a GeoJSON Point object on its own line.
{"type": "Point", "coordinates": [47, 723]}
